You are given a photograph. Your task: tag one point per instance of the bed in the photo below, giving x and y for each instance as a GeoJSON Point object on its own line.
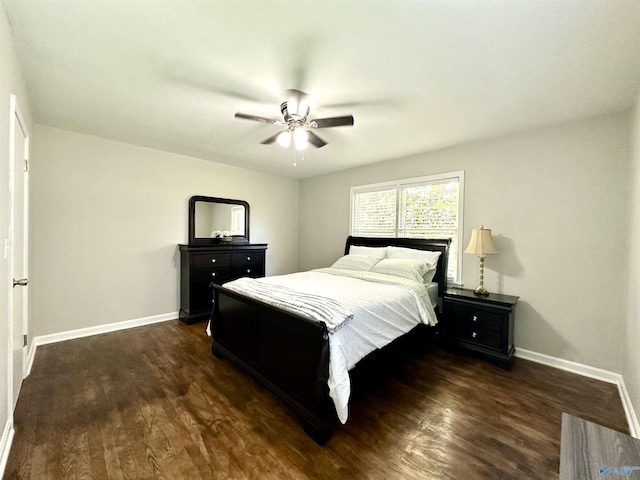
{"type": "Point", "coordinates": [305, 361]}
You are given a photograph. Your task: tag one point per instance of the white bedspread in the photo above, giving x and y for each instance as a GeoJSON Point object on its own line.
{"type": "Point", "coordinates": [382, 313]}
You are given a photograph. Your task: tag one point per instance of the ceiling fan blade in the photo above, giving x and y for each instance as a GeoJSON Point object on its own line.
{"type": "Point", "coordinates": [271, 139]}
{"type": "Point", "coordinates": [345, 121]}
{"type": "Point", "coordinates": [256, 118]}
{"type": "Point", "coordinates": [315, 140]}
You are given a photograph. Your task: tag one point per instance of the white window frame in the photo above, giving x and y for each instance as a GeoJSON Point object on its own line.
{"type": "Point", "coordinates": [398, 185]}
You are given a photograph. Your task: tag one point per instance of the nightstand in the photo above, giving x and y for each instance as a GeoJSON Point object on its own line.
{"type": "Point", "coordinates": [482, 324]}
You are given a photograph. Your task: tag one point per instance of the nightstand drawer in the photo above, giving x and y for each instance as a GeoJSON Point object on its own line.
{"type": "Point", "coordinates": [471, 317]}
{"type": "Point", "coordinates": [490, 337]}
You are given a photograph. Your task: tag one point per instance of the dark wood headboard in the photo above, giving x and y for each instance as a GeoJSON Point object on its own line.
{"type": "Point", "coordinates": [433, 244]}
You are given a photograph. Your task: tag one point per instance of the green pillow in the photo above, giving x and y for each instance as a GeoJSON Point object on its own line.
{"type": "Point", "coordinates": [361, 263]}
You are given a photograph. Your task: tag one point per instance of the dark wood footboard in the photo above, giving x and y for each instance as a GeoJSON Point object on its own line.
{"type": "Point", "coordinates": [286, 352]}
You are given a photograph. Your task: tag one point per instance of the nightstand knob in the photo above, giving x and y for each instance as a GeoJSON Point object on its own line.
{"type": "Point", "coordinates": [248, 258]}
{"type": "Point", "coordinates": [475, 319]}
{"type": "Point", "coordinates": [213, 260]}
{"type": "Point", "coordinates": [248, 270]}
{"type": "Point", "coordinates": [474, 334]}
{"type": "Point", "coordinates": [213, 274]}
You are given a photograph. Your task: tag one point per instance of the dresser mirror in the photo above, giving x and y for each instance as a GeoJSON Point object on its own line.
{"type": "Point", "coordinates": [218, 220]}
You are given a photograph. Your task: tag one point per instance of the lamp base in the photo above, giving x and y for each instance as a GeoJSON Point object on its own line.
{"type": "Point", "coordinates": [481, 291]}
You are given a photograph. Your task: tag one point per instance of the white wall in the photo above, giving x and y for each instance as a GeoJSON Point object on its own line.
{"type": "Point", "coordinates": [556, 200]}
{"type": "Point", "coordinates": [11, 82]}
{"type": "Point", "coordinates": [631, 335]}
{"type": "Point", "coordinates": [107, 218]}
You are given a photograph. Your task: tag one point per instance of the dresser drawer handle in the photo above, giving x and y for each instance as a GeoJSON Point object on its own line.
{"type": "Point", "coordinates": [213, 274]}
{"type": "Point", "coordinates": [474, 334]}
{"type": "Point", "coordinates": [474, 319]}
{"type": "Point", "coordinates": [248, 258]}
{"type": "Point", "coordinates": [248, 270]}
{"type": "Point", "coordinates": [213, 260]}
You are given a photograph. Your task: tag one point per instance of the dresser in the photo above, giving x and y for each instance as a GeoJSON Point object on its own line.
{"type": "Point", "coordinates": [201, 265]}
{"type": "Point", "coordinates": [480, 323]}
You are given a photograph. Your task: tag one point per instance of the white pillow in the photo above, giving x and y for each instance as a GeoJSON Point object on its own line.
{"type": "Point", "coordinates": [402, 267]}
{"type": "Point", "coordinates": [378, 252]}
{"type": "Point", "coordinates": [427, 256]}
{"type": "Point", "coordinates": [428, 277]}
{"type": "Point", "coordinates": [361, 263]}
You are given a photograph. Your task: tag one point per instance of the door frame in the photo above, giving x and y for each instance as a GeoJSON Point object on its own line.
{"type": "Point", "coordinates": [15, 118]}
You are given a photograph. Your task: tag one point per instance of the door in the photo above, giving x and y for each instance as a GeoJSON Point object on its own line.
{"type": "Point", "coordinates": [18, 242]}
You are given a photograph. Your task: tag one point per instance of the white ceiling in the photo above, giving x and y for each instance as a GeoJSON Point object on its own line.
{"type": "Point", "coordinates": [417, 75]}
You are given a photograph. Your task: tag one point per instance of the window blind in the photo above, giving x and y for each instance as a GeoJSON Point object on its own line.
{"type": "Point", "coordinates": [374, 213]}
{"type": "Point", "coordinates": [426, 207]}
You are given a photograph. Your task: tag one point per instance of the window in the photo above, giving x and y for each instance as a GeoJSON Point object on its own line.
{"type": "Point", "coordinates": [237, 220]}
{"type": "Point", "coordinates": [425, 207]}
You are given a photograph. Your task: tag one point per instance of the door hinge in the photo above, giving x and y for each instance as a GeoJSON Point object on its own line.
{"type": "Point", "coordinates": [26, 165]}
{"type": "Point", "coordinates": [25, 340]}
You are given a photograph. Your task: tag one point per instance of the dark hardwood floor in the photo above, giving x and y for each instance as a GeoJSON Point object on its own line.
{"type": "Point", "coordinates": [153, 403]}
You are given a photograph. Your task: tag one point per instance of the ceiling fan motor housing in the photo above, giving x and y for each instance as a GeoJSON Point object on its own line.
{"type": "Point", "coordinates": [292, 116]}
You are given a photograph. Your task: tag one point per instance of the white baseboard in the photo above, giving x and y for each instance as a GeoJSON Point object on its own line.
{"type": "Point", "coordinates": [591, 372]}
{"type": "Point", "coordinates": [31, 354]}
{"type": "Point", "coordinates": [632, 418]}
{"type": "Point", "coordinates": [97, 330]}
{"type": "Point", "coordinates": [5, 445]}
{"type": "Point", "coordinates": [573, 367]}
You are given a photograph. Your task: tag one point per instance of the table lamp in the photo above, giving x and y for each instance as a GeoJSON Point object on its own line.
{"type": "Point", "coordinates": [481, 244]}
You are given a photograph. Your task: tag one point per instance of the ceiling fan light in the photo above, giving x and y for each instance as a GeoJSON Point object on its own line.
{"type": "Point", "coordinates": [300, 138]}
{"type": "Point", "coordinates": [284, 139]}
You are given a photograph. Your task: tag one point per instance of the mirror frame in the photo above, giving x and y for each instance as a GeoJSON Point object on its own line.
{"type": "Point", "coordinates": [193, 240]}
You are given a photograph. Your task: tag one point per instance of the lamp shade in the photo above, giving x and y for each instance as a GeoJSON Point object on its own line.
{"type": "Point", "coordinates": [481, 242]}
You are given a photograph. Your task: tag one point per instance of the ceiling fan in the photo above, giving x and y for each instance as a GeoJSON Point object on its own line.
{"type": "Point", "coordinates": [295, 112]}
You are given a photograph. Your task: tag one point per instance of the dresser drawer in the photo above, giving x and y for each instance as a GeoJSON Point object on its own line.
{"type": "Point", "coordinates": [248, 259]}
{"type": "Point", "coordinates": [208, 260]}
{"type": "Point", "coordinates": [248, 264]}
{"type": "Point", "coordinates": [217, 275]}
